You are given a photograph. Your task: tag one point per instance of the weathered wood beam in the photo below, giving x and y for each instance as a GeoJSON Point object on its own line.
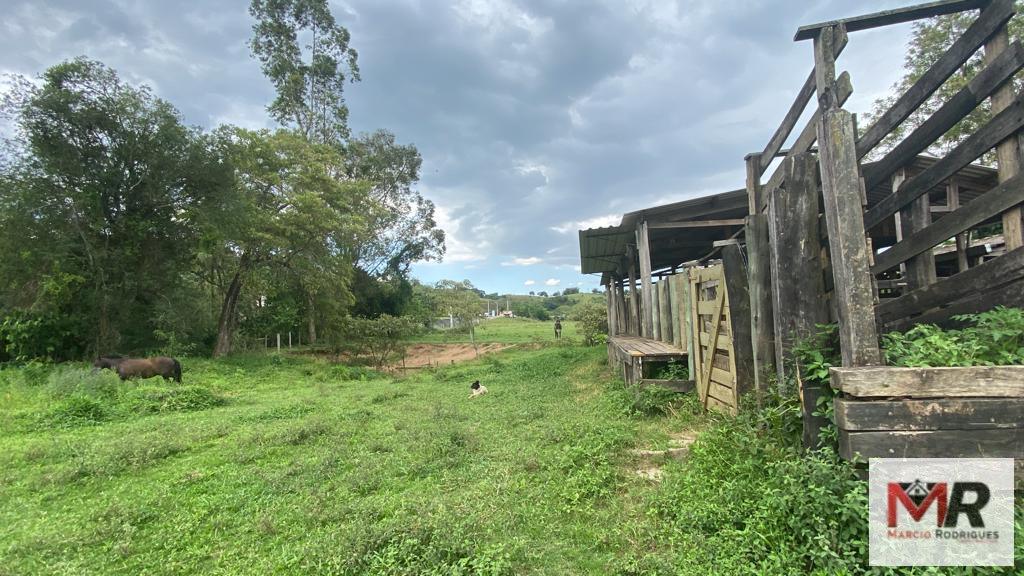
{"type": "Point", "coordinates": [656, 311]}
{"type": "Point", "coordinates": [941, 382]}
{"type": "Point", "coordinates": [931, 414]}
{"type": "Point", "coordinates": [1008, 153]}
{"type": "Point", "coordinates": [735, 285]}
{"type": "Point", "coordinates": [696, 224]}
{"type": "Point", "coordinates": [674, 296]}
{"type": "Point", "coordinates": [993, 17]}
{"type": "Point", "coordinates": [920, 269]}
{"type": "Point", "coordinates": [994, 75]}
{"type": "Point", "coordinates": [990, 443]}
{"type": "Point", "coordinates": [888, 17]}
{"type": "Point", "coordinates": [644, 253]}
{"type": "Point", "coordinates": [962, 239]}
{"type": "Point", "coordinates": [759, 284]}
{"type": "Point", "coordinates": [664, 310]}
{"type": "Point", "coordinates": [634, 301]}
{"type": "Point", "coordinates": [1010, 294]}
{"type": "Point", "coordinates": [996, 201]}
{"type": "Point", "coordinates": [803, 97]}
{"type": "Point", "coordinates": [841, 190]}
{"type": "Point", "coordinates": [809, 134]}
{"type": "Point", "coordinates": [1000, 127]}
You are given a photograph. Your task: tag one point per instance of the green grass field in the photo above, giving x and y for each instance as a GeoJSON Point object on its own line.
{"type": "Point", "coordinates": [286, 465]}
{"type": "Point", "coordinates": [506, 331]}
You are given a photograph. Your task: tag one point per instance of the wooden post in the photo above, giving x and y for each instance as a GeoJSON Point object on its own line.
{"type": "Point", "coordinates": [674, 297]}
{"type": "Point", "coordinates": [759, 273]}
{"type": "Point", "coordinates": [622, 316]}
{"type": "Point", "coordinates": [665, 309]}
{"type": "Point", "coordinates": [634, 295]}
{"type": "Point", "coordinates": [646, 295]}
{"type": "Point", "coordinates": [735, 285]}
{"type": "Point", "coordinates": [963, 238]}
{"type": "Point", "coordinates": [797, 287]}
{"type": "Point", "coordinates": [920, 270]}
{"type": "Point", "coordinates": [610, 306]}
{"type": "Point", "coordinates": [1008, 153]}
{"type": "Point", "coordinates": [691, 342]}
{"type": "Point", "coordinates": [844, 216]}
{"type": "Point", "coordinates": [289, 340]}
{"type": "Point", "coordinates": [656, 311]}
{"type": "Point", "coordinates": [278, 342]}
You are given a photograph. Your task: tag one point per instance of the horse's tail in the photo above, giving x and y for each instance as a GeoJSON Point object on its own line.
{"type": "Point", "coordinates": [177, 370]}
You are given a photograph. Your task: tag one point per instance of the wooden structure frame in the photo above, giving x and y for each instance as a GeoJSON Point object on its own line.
{"type": "Point", "coordinates": [873, 246]}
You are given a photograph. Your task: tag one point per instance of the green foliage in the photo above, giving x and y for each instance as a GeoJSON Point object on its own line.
{"type": "Point", "coordinates": [379, 340]}
{"type": "Point", "coordinates": [674, 369]}
{"type": "Point", "coordinates": [592, 318]}
{"type": "Point", "coordinates": [156, 399]}
{"type": "Point", "coordinates": [652, 401]}
{"type": "Point", "coordinates": [995, 337]}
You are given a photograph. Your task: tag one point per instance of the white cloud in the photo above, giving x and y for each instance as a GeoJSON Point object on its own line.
{"type": "Point", "coordinates": [529, 283]}
{"type": "Point", "coordinates": [596, 222]}
{"type": "Point", "coordinates": [458, 249]}
{"type": "Point", "coordinates": [552, 282]}
{"type": "Point", "coordinates": [530, 261]}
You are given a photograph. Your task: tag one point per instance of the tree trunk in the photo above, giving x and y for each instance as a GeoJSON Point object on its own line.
{"type": "Point", "coordinates": [311, 317]}
{"type": "Point", "coordinates": [229, 311]}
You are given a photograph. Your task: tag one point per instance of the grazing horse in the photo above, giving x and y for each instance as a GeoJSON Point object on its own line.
{"type": "Point", "coordinates": [169, 368]}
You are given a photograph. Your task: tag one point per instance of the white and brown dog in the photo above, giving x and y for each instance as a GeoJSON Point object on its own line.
{"type": "Point", "coordinates": [478, 389]}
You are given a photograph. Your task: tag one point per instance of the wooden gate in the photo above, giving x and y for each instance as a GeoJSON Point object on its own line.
{"type": "Point", "coordinates": [722, 359]}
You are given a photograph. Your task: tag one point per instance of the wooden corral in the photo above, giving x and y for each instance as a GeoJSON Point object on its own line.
{"type": "Point", "coordinates": [825, 235]}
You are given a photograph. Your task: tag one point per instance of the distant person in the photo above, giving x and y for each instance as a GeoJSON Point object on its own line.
{"type": "Point", "coordinates": [558, 329]}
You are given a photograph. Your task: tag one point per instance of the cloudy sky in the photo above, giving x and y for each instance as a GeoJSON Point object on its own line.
{"type": "Point", "coordinates": [534, 117]}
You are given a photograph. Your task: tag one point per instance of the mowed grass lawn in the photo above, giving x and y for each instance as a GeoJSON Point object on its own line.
{"type": "Point", "coordinates": [506, 331]}
{"type": "Point", "coordinates": [261, 465]}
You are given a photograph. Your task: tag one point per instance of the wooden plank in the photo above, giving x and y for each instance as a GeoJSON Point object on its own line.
{"type": "Point", "coordinates": [719, 406]}
{"type": "Point", "coordinates": [1010, 295]}
{"type": "Point", "coordinates": [609, 307]}
{"type": "Point", "coordinates": [883, 381]}
{"type": "Point", "coordinates": [665, 311]}
{"type": "Point", "coordinates": [888, 17]}
{"type": "Point", "coordinates": [991, 443]}
{"type": "Point", "coordinates": [696, 224]}
{"type": "Point", "coordinates": [709, 307]}
{"type": "Point", "coordinates": [644, 250]}
{"type": "Point", "coordinates": [797, 287]}
{"type": "Point", "coordinates": [704, 381]}
{"type": "Point", "coordinates": [656, 311]}
{"type": "Point", "coordinates": [759, 283]}
{"type": "Point", "coordinates": [977, 280]}
{"type": "Point", "coordinates": [920, 269]}
{"type": "Point", "coordinates": [1008, 153]}
{"type": "Point", "coordinates": [634, 300]}
{"type": "Point", "coordinates": [956, 108]}
{"type": "Point", "coordinates": [673, 297]}
{"type": "Point", "coordinates": [753, 163]}
{"type": "Point", "coordinates": [809, 134]}
{"type": "Point", "coordinates": [962, 239]}
{"type": "Point", "coordinates": [803, 97]}
{"type": "Point", "coordinates": [854, 293]}
{"type": "Point", "coordinates": [936, 414]}
{"type": "Point", "coordinates": [720, 392]}
{"type": "Point", "coordinates": [738, 296]}
{"type": "Point", "coordinates": [687, 309]}
{"type": "Point", "coordinates": [1000, 127]}
{"type": "Point", "coordinates": [991, 19]}
{"type": "Point", "coordinates": [723, 342]}
{"type": "Point", "coordinates": [723, 377]}
{"type": "Point", "coordinates": [991, 203]}
{"type": "Point", "coordinates": [697, 354]}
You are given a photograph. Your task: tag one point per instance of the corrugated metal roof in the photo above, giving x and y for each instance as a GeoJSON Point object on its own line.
{"type": "Point", "coordinates": [602, 249]}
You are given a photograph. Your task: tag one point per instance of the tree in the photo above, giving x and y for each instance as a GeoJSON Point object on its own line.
{"type": "Point", "coordinates": [929, 40]}
{"type": "Point", "coordinates": [309, 79]}
{"type": "Point", "coordinates": [459, 300]}
{"type": "Point", "coordinates": [569, 291]}
{"type": "Point", "coordinates": [378, 339]}
{"type": "Point", "coordinates": [293, 214]}
{"type": "Point", "coordinates": [105, 196]}
{"type": "Point", "coordinates": [593, 320]}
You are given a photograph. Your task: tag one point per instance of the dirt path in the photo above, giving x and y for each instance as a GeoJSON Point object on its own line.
{"type": "Point", "coordinates": [425, 355]}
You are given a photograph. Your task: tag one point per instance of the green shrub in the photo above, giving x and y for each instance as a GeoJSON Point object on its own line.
{"type": "Point", "coordinates": [592, 317]}
{"type": "Point", "coordinates": [995, 337]}
{"type": "Point", "coordinates": [154, 399]}
{"type": "Point", "coordinates": [652, 401]}
{"type": "Point", "coordinates": [74, 380]}
{"type": "Point", "coordinates": [76, 410]}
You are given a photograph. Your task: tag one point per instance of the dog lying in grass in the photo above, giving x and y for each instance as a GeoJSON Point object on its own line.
{"type": "Point", "coordinates": [478, 389]}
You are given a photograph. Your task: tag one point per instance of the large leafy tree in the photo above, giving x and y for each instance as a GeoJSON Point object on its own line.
{"type": "Point", "coordinates": [294, 215]}
{"type": "Point", "coordinates": [929, 40]}
{"type": "Point", "coordinates": [103, 198]}
{"type": "Point", "coordinates": [306, 55]}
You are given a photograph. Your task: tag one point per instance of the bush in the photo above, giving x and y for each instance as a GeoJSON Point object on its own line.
{"type": "Point", "coordinates": [593, 321]}
{"type": "Point", "coordinates": [153, 399]}
{"type": "Point", "coordinates": [76, 410]}
{"type": "Point", "coordinates": [376, 339]}
{"type": "Point", "coordinates": [995, 337]}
